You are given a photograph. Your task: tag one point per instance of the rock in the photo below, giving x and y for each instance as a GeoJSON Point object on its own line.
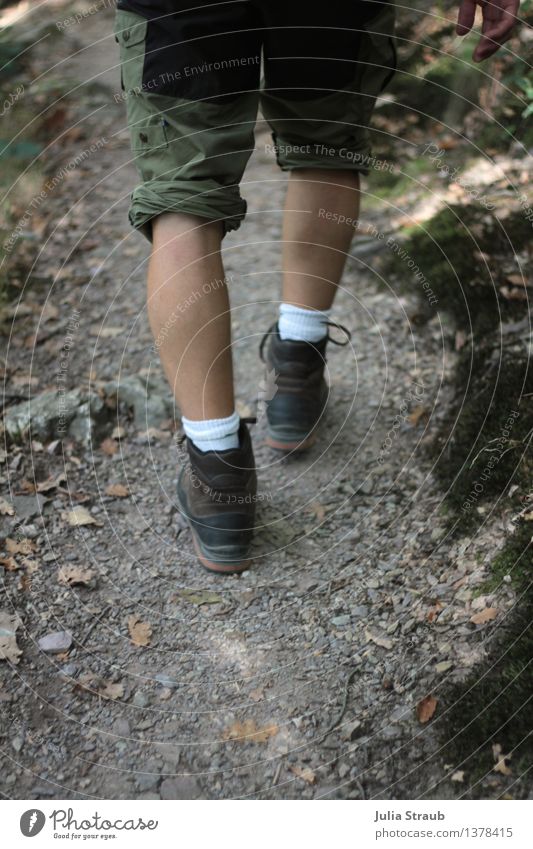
{"type": "Point", "coordinates": [146, 781]}
{"type": "Point", "coordinates": [17, 743]}
{"type": "Point", "coordinates": [122, 728]}
{"type": "Point", "coordinates": [47, 415]}
{"type": "Point", "coordinates": [140, 699]}
{"type": "Point", "coordinates": [91, 422]}
{"type": "Point", "coordinates": [180, 787]}
{"type": "Point", "coordinates": [340, 621]}
{"type": "Point", "coordinates": [54, 416]}
{"type": "Point", "coordinates": [151, 401]}
{"type": "Point", "coordinates": [166, 680]}
{"type": "Point", "coordinates": [56, 641]}
{"type": "Point", "coordinates": [27, 506]}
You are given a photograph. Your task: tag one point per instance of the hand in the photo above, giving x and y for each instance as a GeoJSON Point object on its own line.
{"type": "Point", "coordinates": [499, 18]}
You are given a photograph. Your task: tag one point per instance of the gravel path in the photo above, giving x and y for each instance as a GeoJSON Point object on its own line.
{"type": "Point", "coordinates": [236, 687]}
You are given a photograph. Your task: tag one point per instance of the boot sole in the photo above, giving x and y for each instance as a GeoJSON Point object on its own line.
{"type": "Point", "coordinates": [228, 567]}
{"type": "Point", "coordinates": [286, 446]}
{"type": "Point", "coordinates": [209, 561]}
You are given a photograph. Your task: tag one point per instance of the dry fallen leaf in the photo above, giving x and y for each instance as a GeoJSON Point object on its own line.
{"type": "Point", "coordinates": [426, 708]}
{"type": "Point", "coordinates": [29, 565]}
{"type": "Point", "coordinates": [109, 446]}
{"type": "Point", "coordinates": [200, 596]}
{"type": "Point", "coordinates": [9, 564]}
{"type": "Point", "coordinates": [6, 509]}
{"type": "Point", "coordinates": [80, 516]}
{"type": "Point", "coordinates": [111, 691]}
{"type": "Point", "coordinates": [384, 642]}
{"type": "Point", "coordinates": [500, 759]}
{"type": "Point", "coordinates": [257, 695]}
{"type": "Point", "coordinates": [434, 611]}
{"type": "Point", "coordinates": [140, 632]}
{"type": "Point", "coordinates": [20, 546]}
{"type": "Point", "coordinates": [318, 510]}
{"type": "Point", "coordinates": [484, 615]}
{"type": "Point", "coordinates": [9, 649]}
{"type": "Point", "coordinates": [248, 732]}
{"type": "Point", "coordinates": [51, 483]}
{"type": "Point", "coordinates": [118, 490]}
{"type": "Point", "coordinates": [305, 773]}
{"type": "Point", "coordinates": [418, 415]}
{"type": "Point", "coordinates": [458, 775]}
{"type": "Point", "coordinates": [72, 575]}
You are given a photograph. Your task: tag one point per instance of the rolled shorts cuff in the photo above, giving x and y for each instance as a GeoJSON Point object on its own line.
{"type": "Point", "coordinates": [350, 157]}
{"type": "Point", "coordinates": [209, 200]}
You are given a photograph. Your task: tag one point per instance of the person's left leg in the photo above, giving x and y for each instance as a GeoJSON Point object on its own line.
{"type": "Point", "coordinates": [318, 97]}
{"type": "Point", "coordinates": [321, 210]}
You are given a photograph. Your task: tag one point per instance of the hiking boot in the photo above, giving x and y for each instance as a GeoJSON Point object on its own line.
{"type": "Point", "coordinates": [217, 495]}
{"type": "Point", "coordinates": [296, 372]}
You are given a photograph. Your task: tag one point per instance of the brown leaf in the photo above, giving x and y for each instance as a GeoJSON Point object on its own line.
{"type": "Point", "coordinates": [248, 732]}
{"type": "Point", "coordinates": [418, 415]}
{"type": "Point", "coordinates": [318, 510]}
{"type": "Point", "coordinates": [80, 516]}
{"type": "Point", "coordinates": [500, 759]}
{"type": "Point", "coordinates": [72, 575]}
{"type": "Point", "coordinates": [117, 490]}
{"type": "Point", "coordinates": [20, 546]}
{"type": "Point", "coordinates": [305, 773]}
{"type": "Point", "coordinates": [109, 447]}
{"type": "Point", "coordinates": [426, 708]}
{"type": "Point", "coordinates": [140, 632]}
{"type": "Point", "coordinates": [9, 649]}
{"type": "Point", "coordinates": [516, 280]}
{"type": "Point", "coordinates": [384, 642]}
{"type": "Point", "coordinates": [434, 611]}
{"type": "Point", "coordinates": [111, 691]}
{"type": "Point", "coordinates": [51, 483]}
{"type": "Point", "coordinates": [6, 509]}
{"type": "Point", "coordinates": [257, 695]}
{"type": "Point", "coordinates": [30, 566]}
{"type": "Point", "coordinates": [9, 564]}
{"type": "Point", "coordinates": [484, 615]}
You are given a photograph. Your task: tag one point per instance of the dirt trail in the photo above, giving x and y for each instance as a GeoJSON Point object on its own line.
{"type": "Point", "coordinates": [241, 677]}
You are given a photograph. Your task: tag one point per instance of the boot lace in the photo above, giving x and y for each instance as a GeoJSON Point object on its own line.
{"type": "Point", "coordinates": [338, 342]}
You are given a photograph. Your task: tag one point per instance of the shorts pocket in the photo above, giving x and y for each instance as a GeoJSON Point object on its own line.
{"type": "Point", "coordinates": [146, 137]}
{"type": "Point", "coordinates": [130, 34]}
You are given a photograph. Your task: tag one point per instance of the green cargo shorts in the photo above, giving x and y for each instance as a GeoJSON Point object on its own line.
{"type": "Point", "coordinates": [192, 84]}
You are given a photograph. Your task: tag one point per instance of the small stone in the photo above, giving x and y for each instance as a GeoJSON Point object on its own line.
{"type": "Point", "coordinates": [180, 787]}
{"type": "Point", "coordinates": [17, 743]}
{"type": "Point", "coordinates": [443, 666]}
{"type": "Point", "coordinates": [122, 728]}
{"type": "Point", "coordinates": [340, 621]}
{"type": "Point", "coordinates": [166, 680]}
{"type": "Point", "coordinates": [140, 699]}
{"type": "Point", "coordinates": [56, 641]}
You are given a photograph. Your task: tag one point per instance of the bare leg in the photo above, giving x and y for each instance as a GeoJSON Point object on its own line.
{"type": "Point", "coordinates": [315, 247]}
{"type": "Point", "coordinates": [188, 307]}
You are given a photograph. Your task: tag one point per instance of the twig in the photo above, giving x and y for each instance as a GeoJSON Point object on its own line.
{"type": "Point", "coordinates": [93, 625]}
{"type": "Point", "coordinates": [342, 711]}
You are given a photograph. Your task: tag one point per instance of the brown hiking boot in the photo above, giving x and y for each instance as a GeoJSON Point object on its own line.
{"type": "Point", "coordinates": [296, 371]}
{"type": "Point", "coordinates": [217, 495]}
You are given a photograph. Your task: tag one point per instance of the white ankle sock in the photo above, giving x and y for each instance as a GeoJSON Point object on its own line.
{"type": "Point", "coordinates": [302, 325]}
{"type": "Point", "coordinates": [213, 434]}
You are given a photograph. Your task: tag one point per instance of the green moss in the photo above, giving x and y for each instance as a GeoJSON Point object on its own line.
{"type": "Point", "coordinates": [493, 705]}
{"type": "Point", "coordinates": [485, 443]}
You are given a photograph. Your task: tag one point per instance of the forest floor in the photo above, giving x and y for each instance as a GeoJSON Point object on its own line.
{"type": "Point", "coordinates": [157, 679]}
